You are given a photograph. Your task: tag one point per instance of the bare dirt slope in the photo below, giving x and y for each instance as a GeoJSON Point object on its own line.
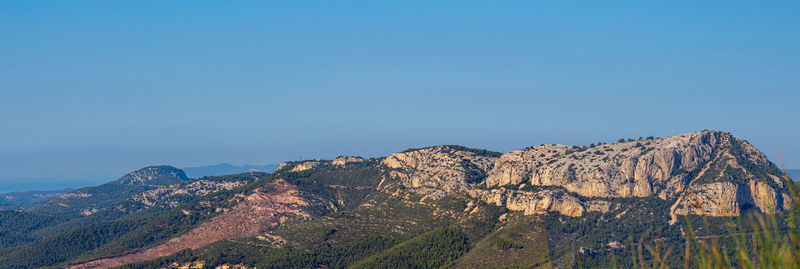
{"type": "Point", "coordinates": [260, 211]}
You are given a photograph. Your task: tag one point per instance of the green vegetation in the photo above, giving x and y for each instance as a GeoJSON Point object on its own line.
{"type": "Point", "coordinates": [100, 197]}
{"type": "Point", "coordinates": [761, 241]}
{"type": "Point", "coordinates": [338, 256]}
{"type": "Point", "coordinates": [521, 242]}
{"type": "Point", "coordinates": [586, 239]}
{"type": "Point", "coordinates": [755, 240]}
{"type": "Point", "coordinates": [505, 244]}
{"type": "Point", "coordinates": [222, 252]}
{"type": "Point", "coordinates": [16, 226]}
{"type": "Point", "coordinates": [26, 200]}
{"type": "Point", "coordinates": [434, 249]}
{"type": "Point", "coordinates": [66, 246]}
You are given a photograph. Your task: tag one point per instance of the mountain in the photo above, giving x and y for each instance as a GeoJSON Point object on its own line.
{"type": "Point", "coordinates": [154, 175]}
{"type": "Point", "coordinates": [442, 206]}
{"type": "Point", "coordinates": [27, 199]}
{"type": "Point", "coordinates": [714, 169]}
{"type": "Point", "coordinates": [226, 169]}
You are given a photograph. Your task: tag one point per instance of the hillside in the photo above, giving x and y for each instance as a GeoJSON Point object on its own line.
{"type": "Point", "coordinates": [21, 200]}
{"type": "Point", "coordinates": [89, 200]}
{"type": "Point", "coordinates": [449, 206]}
{"type": "Point", "coordinates": [87, 218]}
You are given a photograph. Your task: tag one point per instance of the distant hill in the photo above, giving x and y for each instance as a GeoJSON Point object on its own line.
{"type": "Point", "coordinates": [794, 173]}
{"type": "Point", "coordinates": [226, 169]}
{"type": "Point", "coordinates": [154, 175]}
{"type": "Point", "coordinates": [88, 200]}
{"type": "Point", "coordinates": [22, 200]}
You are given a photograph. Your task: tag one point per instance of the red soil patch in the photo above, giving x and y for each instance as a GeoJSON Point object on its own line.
{"type": "Point", "coordinates": [257, 213]}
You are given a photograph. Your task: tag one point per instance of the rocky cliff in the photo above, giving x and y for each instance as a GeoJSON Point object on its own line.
{"type": "Point", "coordinates": [298, 166]}
{"type": "Point", "coordinates": [343, 161]}
{"type": "Point", "coordinates": [627, 169]}
{"type": "Point", "coordinates": [436, 171]}
{"type": "Point", "coordinates": [706, 173]}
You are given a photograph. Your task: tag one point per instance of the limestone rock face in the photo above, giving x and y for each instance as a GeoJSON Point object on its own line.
{"type": "Point", "coordinates": [342, 161]}
{"type": "Point", "coordinates": [627, 169]}
{"type": "Point", "coordinates": [714, 199]}
{"type": "Point", "coordinates": [436, 171]}
{"type": "Point", "coordinates": [539, 202]}
{"type": "Point", "coordinates": [282, 166]}
{"type": "Point", "coordinates": [725, 199]}
{"type": "Point", "coordinates": [706, 173]}
{"type": "Point", "coordinates": [661, 167]}
{"type": "Point", "coordinates": [765, 197]}
{"type": "Point", "coordinates": [299, 166]}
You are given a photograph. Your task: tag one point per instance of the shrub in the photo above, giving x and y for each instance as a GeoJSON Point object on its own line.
{"type": "Point", "coordinates": [506, 244]}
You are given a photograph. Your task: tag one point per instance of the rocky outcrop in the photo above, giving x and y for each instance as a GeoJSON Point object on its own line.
{"type": "Point", "coordinates": [174, 195]}
{"type": "Point", "coordinates": [628, 169]}
{"type": "Point", "coordinates": [299, 166]}
{"type": "Point", "coordinates": [343, 161]}
{"type": "Point", "coordinates": [436, 171]}
{"type": "Point", "coordinates": [305, 166]}
{"type": "Point", "coordinates": [765, 197]}
{"type": "Point", "coordinates": [726, 199]}
{"type": "Point", "coordinates": [539, 202]}
{"type": "Point", "coordinates": [661, 167]}
{"type": "Point", "coordinates": [154, 175]}
{"type": "Point", "coordinates": [717, 199]}
{"type": "Point", "coordinates": [724, 175]}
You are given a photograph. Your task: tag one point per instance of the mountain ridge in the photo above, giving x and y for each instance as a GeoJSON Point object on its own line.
{"type": "Point", "coordinates": [413, 192]}
{"type": "Point", "coordinates": [661, 167]}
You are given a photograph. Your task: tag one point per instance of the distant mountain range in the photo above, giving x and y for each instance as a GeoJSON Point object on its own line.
{"type": "Point", "coordinates": [226, 169]}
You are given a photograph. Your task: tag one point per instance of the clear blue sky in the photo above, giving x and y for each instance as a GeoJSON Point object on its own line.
{"type": "Point", "coordinates": [91, 90]}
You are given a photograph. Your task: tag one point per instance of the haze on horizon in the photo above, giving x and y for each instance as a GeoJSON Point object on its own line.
{"type": "Point", "coordinates": [92, 90]}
